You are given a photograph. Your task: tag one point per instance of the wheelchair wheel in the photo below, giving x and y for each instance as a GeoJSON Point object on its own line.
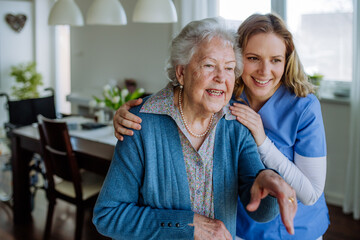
{"type": "Point", "coordinates": [5, 179]}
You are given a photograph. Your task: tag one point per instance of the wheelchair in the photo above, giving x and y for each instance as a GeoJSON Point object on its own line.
{"type": "Point", "coordinates": [22, 113]}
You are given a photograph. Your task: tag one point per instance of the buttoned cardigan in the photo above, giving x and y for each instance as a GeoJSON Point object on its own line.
{"type": "Point", "coordinates": [145, 194]}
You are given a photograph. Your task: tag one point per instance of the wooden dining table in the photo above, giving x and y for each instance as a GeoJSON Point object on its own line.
{"type": "Point", "coordinates": [93, 148]}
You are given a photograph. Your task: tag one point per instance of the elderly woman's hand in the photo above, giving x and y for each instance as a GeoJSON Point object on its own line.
{"type": "Point", "coordinates": [208, 228]}
{"type": "Point", "coordinates": [269, 182]}
{"type": "Point", "coordinates": [250, 119]}
{"type": "Point", "coordinates": [123, 119]}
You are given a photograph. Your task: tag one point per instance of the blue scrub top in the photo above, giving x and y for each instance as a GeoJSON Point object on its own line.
{"type": "Point", "coordinates": [294, 124]}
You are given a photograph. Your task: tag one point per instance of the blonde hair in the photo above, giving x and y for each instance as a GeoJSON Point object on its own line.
{"type": "Point", "coordinates": [294, 77]}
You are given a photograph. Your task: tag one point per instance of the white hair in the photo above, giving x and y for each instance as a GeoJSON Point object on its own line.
{"type": "Point", "coordinates": [186, 43]}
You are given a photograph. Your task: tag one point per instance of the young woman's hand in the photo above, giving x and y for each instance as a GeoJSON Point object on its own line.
{"type": "Point", "coordinates": [269, 182]}
{"type": "Point", "coordinates": [250, 119]}
{"type": "Point", "coordinates": [123, 119]}
{"type": "Point", "coordinates": [208, 228]}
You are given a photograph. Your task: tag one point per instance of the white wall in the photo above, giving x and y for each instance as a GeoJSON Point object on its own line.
{"type": "Point", "coordinates": [136, 50]}
{"type": "Point", "coordinates": [15, 47]}
{"type": "Point", "coordinates": [33, 43]}
{"type": "Point", "coordinates": [44, 35]}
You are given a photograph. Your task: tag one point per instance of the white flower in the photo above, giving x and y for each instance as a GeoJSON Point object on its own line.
{"type": "Point", "coordinates": [114, 96]}
{"type": "Point", "coordinates": [101, 104]}
{"type": "Point", "coordinates": [124, 92]}
{"type": "Point", "coordinates": [107, 88]}
{"type": "Point", "coordinates": [116, 90]}
{"type": "Point", "coordinates": [115, 99]}
{"type": "Point", "coordinates": [92, 103]}
{"type": "Point", "coordinates": [107, 92]}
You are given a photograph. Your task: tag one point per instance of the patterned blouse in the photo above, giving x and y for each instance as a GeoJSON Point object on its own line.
{"type": "Point", "coordinates": [199, 164]}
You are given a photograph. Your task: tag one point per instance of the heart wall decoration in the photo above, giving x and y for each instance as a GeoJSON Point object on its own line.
{"type": "Point", "coordinates": [16, 22]}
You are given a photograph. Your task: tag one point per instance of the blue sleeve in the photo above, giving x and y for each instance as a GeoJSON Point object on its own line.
{"type": "Point", "coordinates": [118, 212]}
{"type": "Point", "coordinates": [249, 166]}
{"type": "Point", "coordinates": [310, 139]}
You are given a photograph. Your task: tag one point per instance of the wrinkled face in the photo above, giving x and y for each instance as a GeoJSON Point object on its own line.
{"type": "Point", "coordinates": [209, 78]}
{"type": "Point", "coordinates": [264, 64]}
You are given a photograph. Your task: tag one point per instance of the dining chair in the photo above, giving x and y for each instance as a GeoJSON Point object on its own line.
{"type": "Point", "coordinates": [64, 178]}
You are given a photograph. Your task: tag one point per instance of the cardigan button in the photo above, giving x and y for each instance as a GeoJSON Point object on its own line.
{"type": "Point", "coordinates": [162, 224]}
{"type": "Point", "coordinates": [169, 224]}
{"type": "Point", "coordinates": [177, 225]}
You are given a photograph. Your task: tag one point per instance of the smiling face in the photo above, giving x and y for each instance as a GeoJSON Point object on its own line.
{"type": "Point", "coordinates": [209, 78]}
{"type": "Point", "coordinates": [264, 65]}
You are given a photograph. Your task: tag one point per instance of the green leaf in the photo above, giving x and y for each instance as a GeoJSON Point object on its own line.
{"type": "Point", "coordinates": [27, 81]}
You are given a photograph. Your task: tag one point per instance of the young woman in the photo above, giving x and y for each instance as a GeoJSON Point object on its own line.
{"type": "Point", "coordinates": [284, 117]}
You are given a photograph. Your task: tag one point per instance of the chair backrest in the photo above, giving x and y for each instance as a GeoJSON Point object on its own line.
{"type": "Point", "coordinates": [58, 154]}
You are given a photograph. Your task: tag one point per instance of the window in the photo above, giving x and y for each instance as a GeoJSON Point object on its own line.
{"type": "Point", "coordinates": [323, 34]}
{"type": "Point", "coordinates": [62, 70]}
{"type": "Point", "coordinates": [322, 31]}
{"type": "Point", "coordinates": [236, 11]}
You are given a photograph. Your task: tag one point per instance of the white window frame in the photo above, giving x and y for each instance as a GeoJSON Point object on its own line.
{"type": "Point", "coordinates": [328, 87]}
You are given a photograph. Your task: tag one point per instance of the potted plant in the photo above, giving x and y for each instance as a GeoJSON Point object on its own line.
{"type": "Point", "coordinates": [113, 98]}
{"type": "Point", "coordinates": [25, 102]}
{"type": "Point", "coordinates": [316, 80]}
{"type": "Point", "coordinates": [27, 81]}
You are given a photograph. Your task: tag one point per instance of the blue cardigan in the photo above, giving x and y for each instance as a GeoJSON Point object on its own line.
{"type": "Point", "coordinates": [146, 194]}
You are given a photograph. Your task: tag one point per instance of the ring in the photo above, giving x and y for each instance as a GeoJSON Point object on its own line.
{"type": "Point", "coordinates": [291, 199]}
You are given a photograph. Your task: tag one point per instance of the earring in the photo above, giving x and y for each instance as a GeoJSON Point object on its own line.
{"type": "Point", "coordinates": [181, 86]}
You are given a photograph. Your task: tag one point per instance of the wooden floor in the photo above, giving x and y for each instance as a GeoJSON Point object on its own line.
{"type": "Point", "coordinates": [63, 222]}
{"type": "Point", "coordinates": [342, 227]}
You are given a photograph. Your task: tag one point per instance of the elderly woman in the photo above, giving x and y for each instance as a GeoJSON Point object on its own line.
{"type": "Point", "coordinates": [179, 177]}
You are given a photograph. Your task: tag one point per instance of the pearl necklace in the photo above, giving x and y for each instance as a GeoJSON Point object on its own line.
{"type": "Point", "coordinates": [185, 123]}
